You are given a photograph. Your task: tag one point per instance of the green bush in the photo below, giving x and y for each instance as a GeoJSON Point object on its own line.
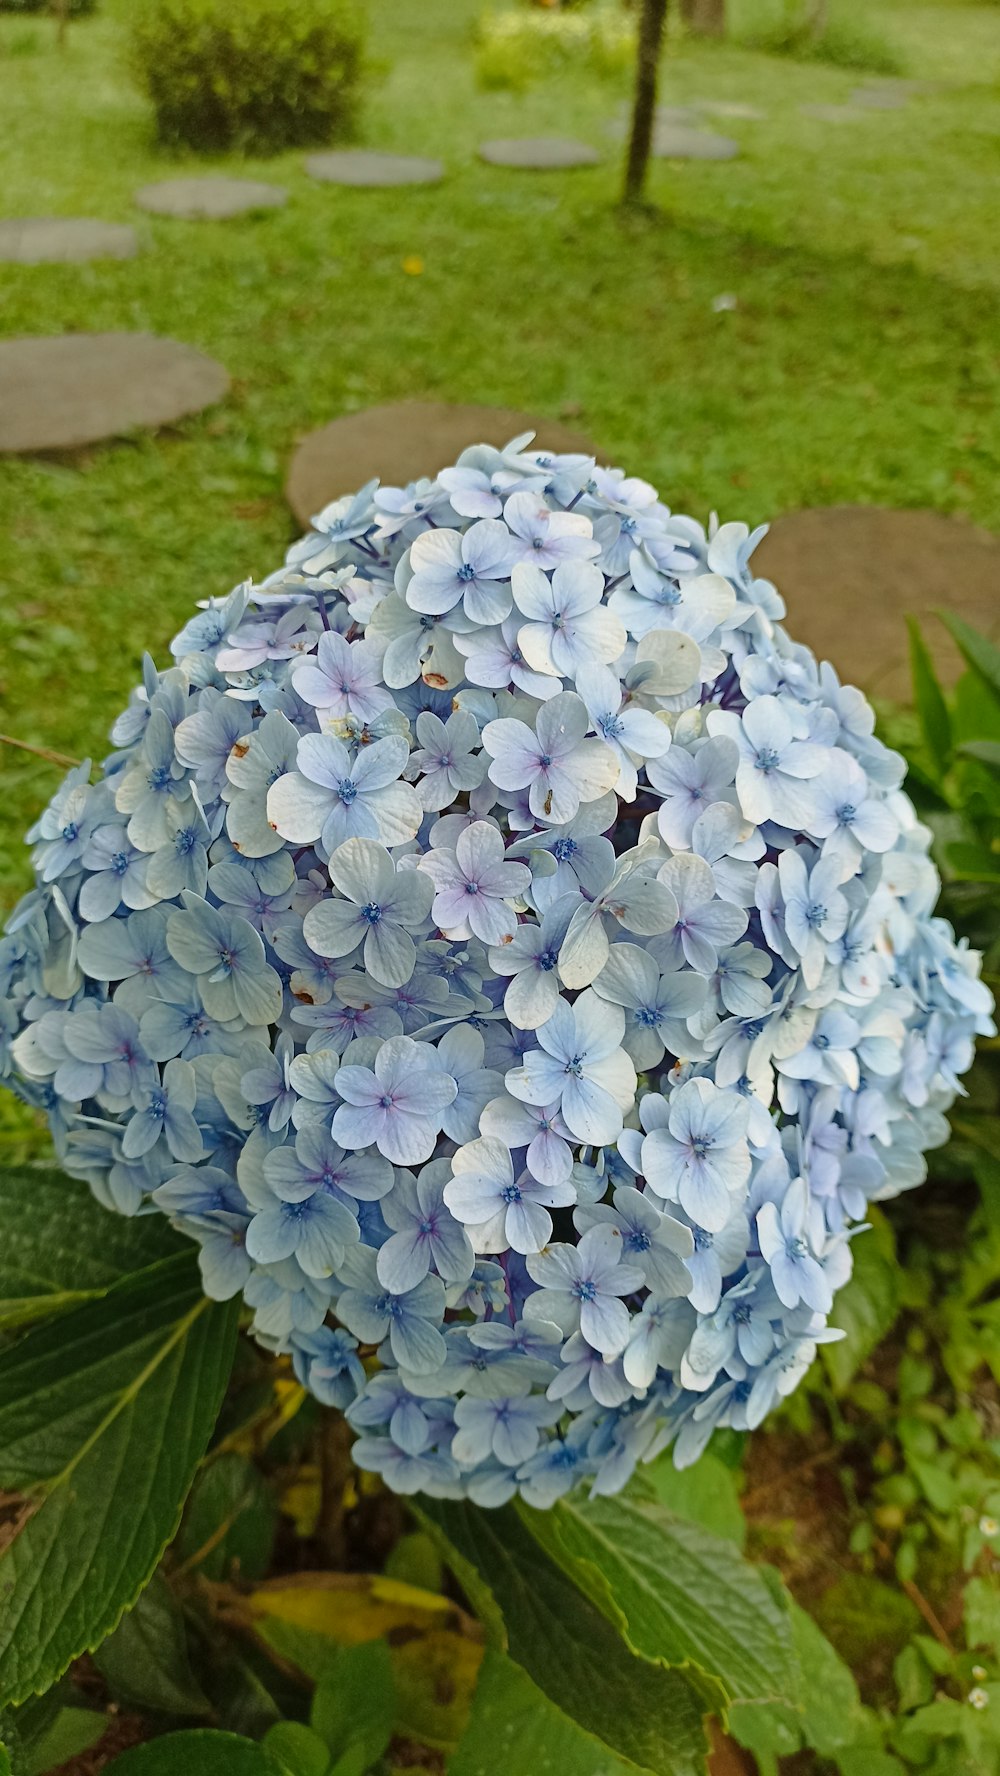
{"type": "Point", "coordinates": [841, 34]}
{"type": "Point", "coordinates": [257, 75]}
{"type": "Point", "coordinates": [76, 7]}
{"type": "Point", "coordinates": [516, 48]}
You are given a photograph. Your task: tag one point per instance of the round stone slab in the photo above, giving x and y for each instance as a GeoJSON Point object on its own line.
{"type": "Point", "coordinates": [404, 440]}
{"type": "Point", "coordinates": [538, 152]}
{"type": "Point", "coordinates": [878, 98]}
{"type": "Point", "coordinates": [850, 575]}
{"type": "Point", "coordinates": [64, 240]}
{"type": "Point", "coordinates": [732, 108]}
{"type": "Point", "coordinates": [62, 392]}
{"type": "Point", "coordinates": [210, 199]}
{"type": "Point", "coordinates": [832, 113]}
{"type": "Point", "coordinates": [355, 166]}
{"type": "Point", "coordinates": [672, 142]}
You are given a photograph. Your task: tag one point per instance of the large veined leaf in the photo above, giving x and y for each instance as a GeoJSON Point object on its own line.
{"type": "Point", "coordinates": [513, 1727]}
{"type": "Point", "coordinates": [60, 1248]}
{"type": "Point", "coordinates": [104, 1416]}
{"type": "Point", "coordinates": [198, 1752]}
{"type": "Point", "coordinates": [648, 1716]}
{"type": "Point", "coordinates": [678, 1595]}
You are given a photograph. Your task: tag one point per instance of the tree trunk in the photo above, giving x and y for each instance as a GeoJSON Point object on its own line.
{"type": "Point", "coordinates": [704, 18]}
{"type": "Point", "coordinates": [60, 11]}
{"type": "Point", "coordinates": [651, 21]}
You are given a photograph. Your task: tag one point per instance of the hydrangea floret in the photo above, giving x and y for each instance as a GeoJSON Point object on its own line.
{"type": "Point", "coordinates": [512, 959]}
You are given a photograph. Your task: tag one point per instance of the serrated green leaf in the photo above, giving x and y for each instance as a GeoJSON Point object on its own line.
{"type": "Point", "coordinates": [513, 1727]}
{"type": "Point", "coordinates": [199, 1752]}
{"type": "Point", "coordinates": [678, 1596]}
{"type": "Point", "coordinates": [866, 1307]}
{"type": "Point", "coordinates": [353, 1709]}
{"type": "Point", "coordinates": [104, 1415]}
{"type": "Point", "coordinates": [932, 710]}
{"type": "Point", "coordinates": [60, 1248]}
{"type": "Point", "coordinates": [978, 653]}
{"type": "Point", "coordinates": [646, 1715]}
{"type": "Point", "coordinates": [145, 1661]}
{"type": "Point", "coordinates": [705, 1493]}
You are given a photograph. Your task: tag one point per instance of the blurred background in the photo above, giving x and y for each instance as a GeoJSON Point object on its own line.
{"type": "Point", "coordinates": [795, 319]}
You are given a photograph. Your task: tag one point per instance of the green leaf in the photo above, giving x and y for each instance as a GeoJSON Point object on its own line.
{"type": "Point", "coordinates": [513, 1727]}
{"type": "Point", "coordinates": [145, 1661]}
{"type": "Point", "coordinates": [678, 1596]}
{"type": "Point", "coordinates": [707, 1493]}
{"type": "Point", "coordinates": [829, 1715]}
{"type": "Point", "coordinates": [982, 1614]}
{"type": "Point", "coordinates": [60, 1248]}
{"type": "Point", "coordinates": [229, 1520]}
{"type": "Point", "coordinates": [199, 1752]}
{"type": "Point", "coordinates": [932, 709]}
{"type": "Point", "coordinates": [104, 1415]}
{"type": "Point", "coordinates": [866, 1307]}
{"type": "Point", "coordinates": [863, 1617]}
{"type": "Point", "coordinates": [297, 1749]}
{"type": "Point", "coordinates": [4, 1761]}
{"type": "Point", "coordinates": [353, 1708]}
{"type": "Point", "coordinates": [648, 1716]}
{"type": "Point", "coordinates": [985, 752]}
{"type": "Point", "coordinates": [74, 1730]}
{"type": "Point", "coordinates": [978, 653]}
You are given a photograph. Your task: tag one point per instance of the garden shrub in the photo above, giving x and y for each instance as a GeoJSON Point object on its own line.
{"type": "Point", "coordinates": [259, 76]}
{"type": "Point", "coordinates": [517, 48]}
{"type": "Point", "coordinates": [843, 35]}
{"type": "Point", "coordinates": [77, 8]}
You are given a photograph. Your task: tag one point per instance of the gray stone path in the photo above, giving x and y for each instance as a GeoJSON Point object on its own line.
{"type": "Point", "coordinates": [734, 108]}
{"type": "Point", "coordinates": [673, 142]}
{"type": "Point", "coordinates": [850, 575]}
{"type": "Point", "coordinates": [73, 389]}
{"type": "Point", "coordinates": [538, 152]}
{"type": "Point", "coordinates": [64, 240]}
{"type": "Point", "coordinates": [211, 197]}
{"type": "Point", "coordinates": [354, 166]}
{"type": "Point", "coordinates": [404, 440]}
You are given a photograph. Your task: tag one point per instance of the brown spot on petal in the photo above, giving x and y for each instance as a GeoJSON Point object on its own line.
{"type": "Point", "coordinates": [241, 748]}
{"type": "Point", "coordinates": [304, 998]}
{"type": "Point", "coordinates": [436, 680]}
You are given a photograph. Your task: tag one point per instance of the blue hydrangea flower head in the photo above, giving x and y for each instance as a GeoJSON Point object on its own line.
{"type": "Point", "coordinates": [511, 958]}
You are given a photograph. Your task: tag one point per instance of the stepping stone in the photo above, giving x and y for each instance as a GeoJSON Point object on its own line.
{"type": "Point", "coordinates": [677, 143]}
{"type": "Point", "coordinates": [831, 113]}
{"type": "Point", "coordinates": [677, 113]}
{"type": "Point", "coordinates": [64, 240]}
{"type": "Point", "coordinates": [354, 166]}
{"type": "Point", "coordinates": [732, 108]}
{"type": "Point", "coordinates": [878, 98]}
{"type": "Point", "coordinates": [404, 440]}
{"type": "Point", "coordinates": [851, 574]}
{"type": "Point", "coordinates": [210, 199]}
{"type": "Point", "coordinates": [77, 388]}
{"type": "Point", "coordinates": [538, 152]}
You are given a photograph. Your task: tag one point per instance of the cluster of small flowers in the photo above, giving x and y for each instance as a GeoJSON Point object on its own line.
{"type": "Point", "coordinates": [512, 959]}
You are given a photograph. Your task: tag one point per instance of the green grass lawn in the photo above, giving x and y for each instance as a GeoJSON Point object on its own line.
{"type": "Point", "coordinates": [861, 362]}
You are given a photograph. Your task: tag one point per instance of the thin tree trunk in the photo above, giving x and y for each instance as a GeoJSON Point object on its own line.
{"type": "Point", "coordinates": [651, 21]}
{"type": "Point", "coordinates": [60, 9]}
